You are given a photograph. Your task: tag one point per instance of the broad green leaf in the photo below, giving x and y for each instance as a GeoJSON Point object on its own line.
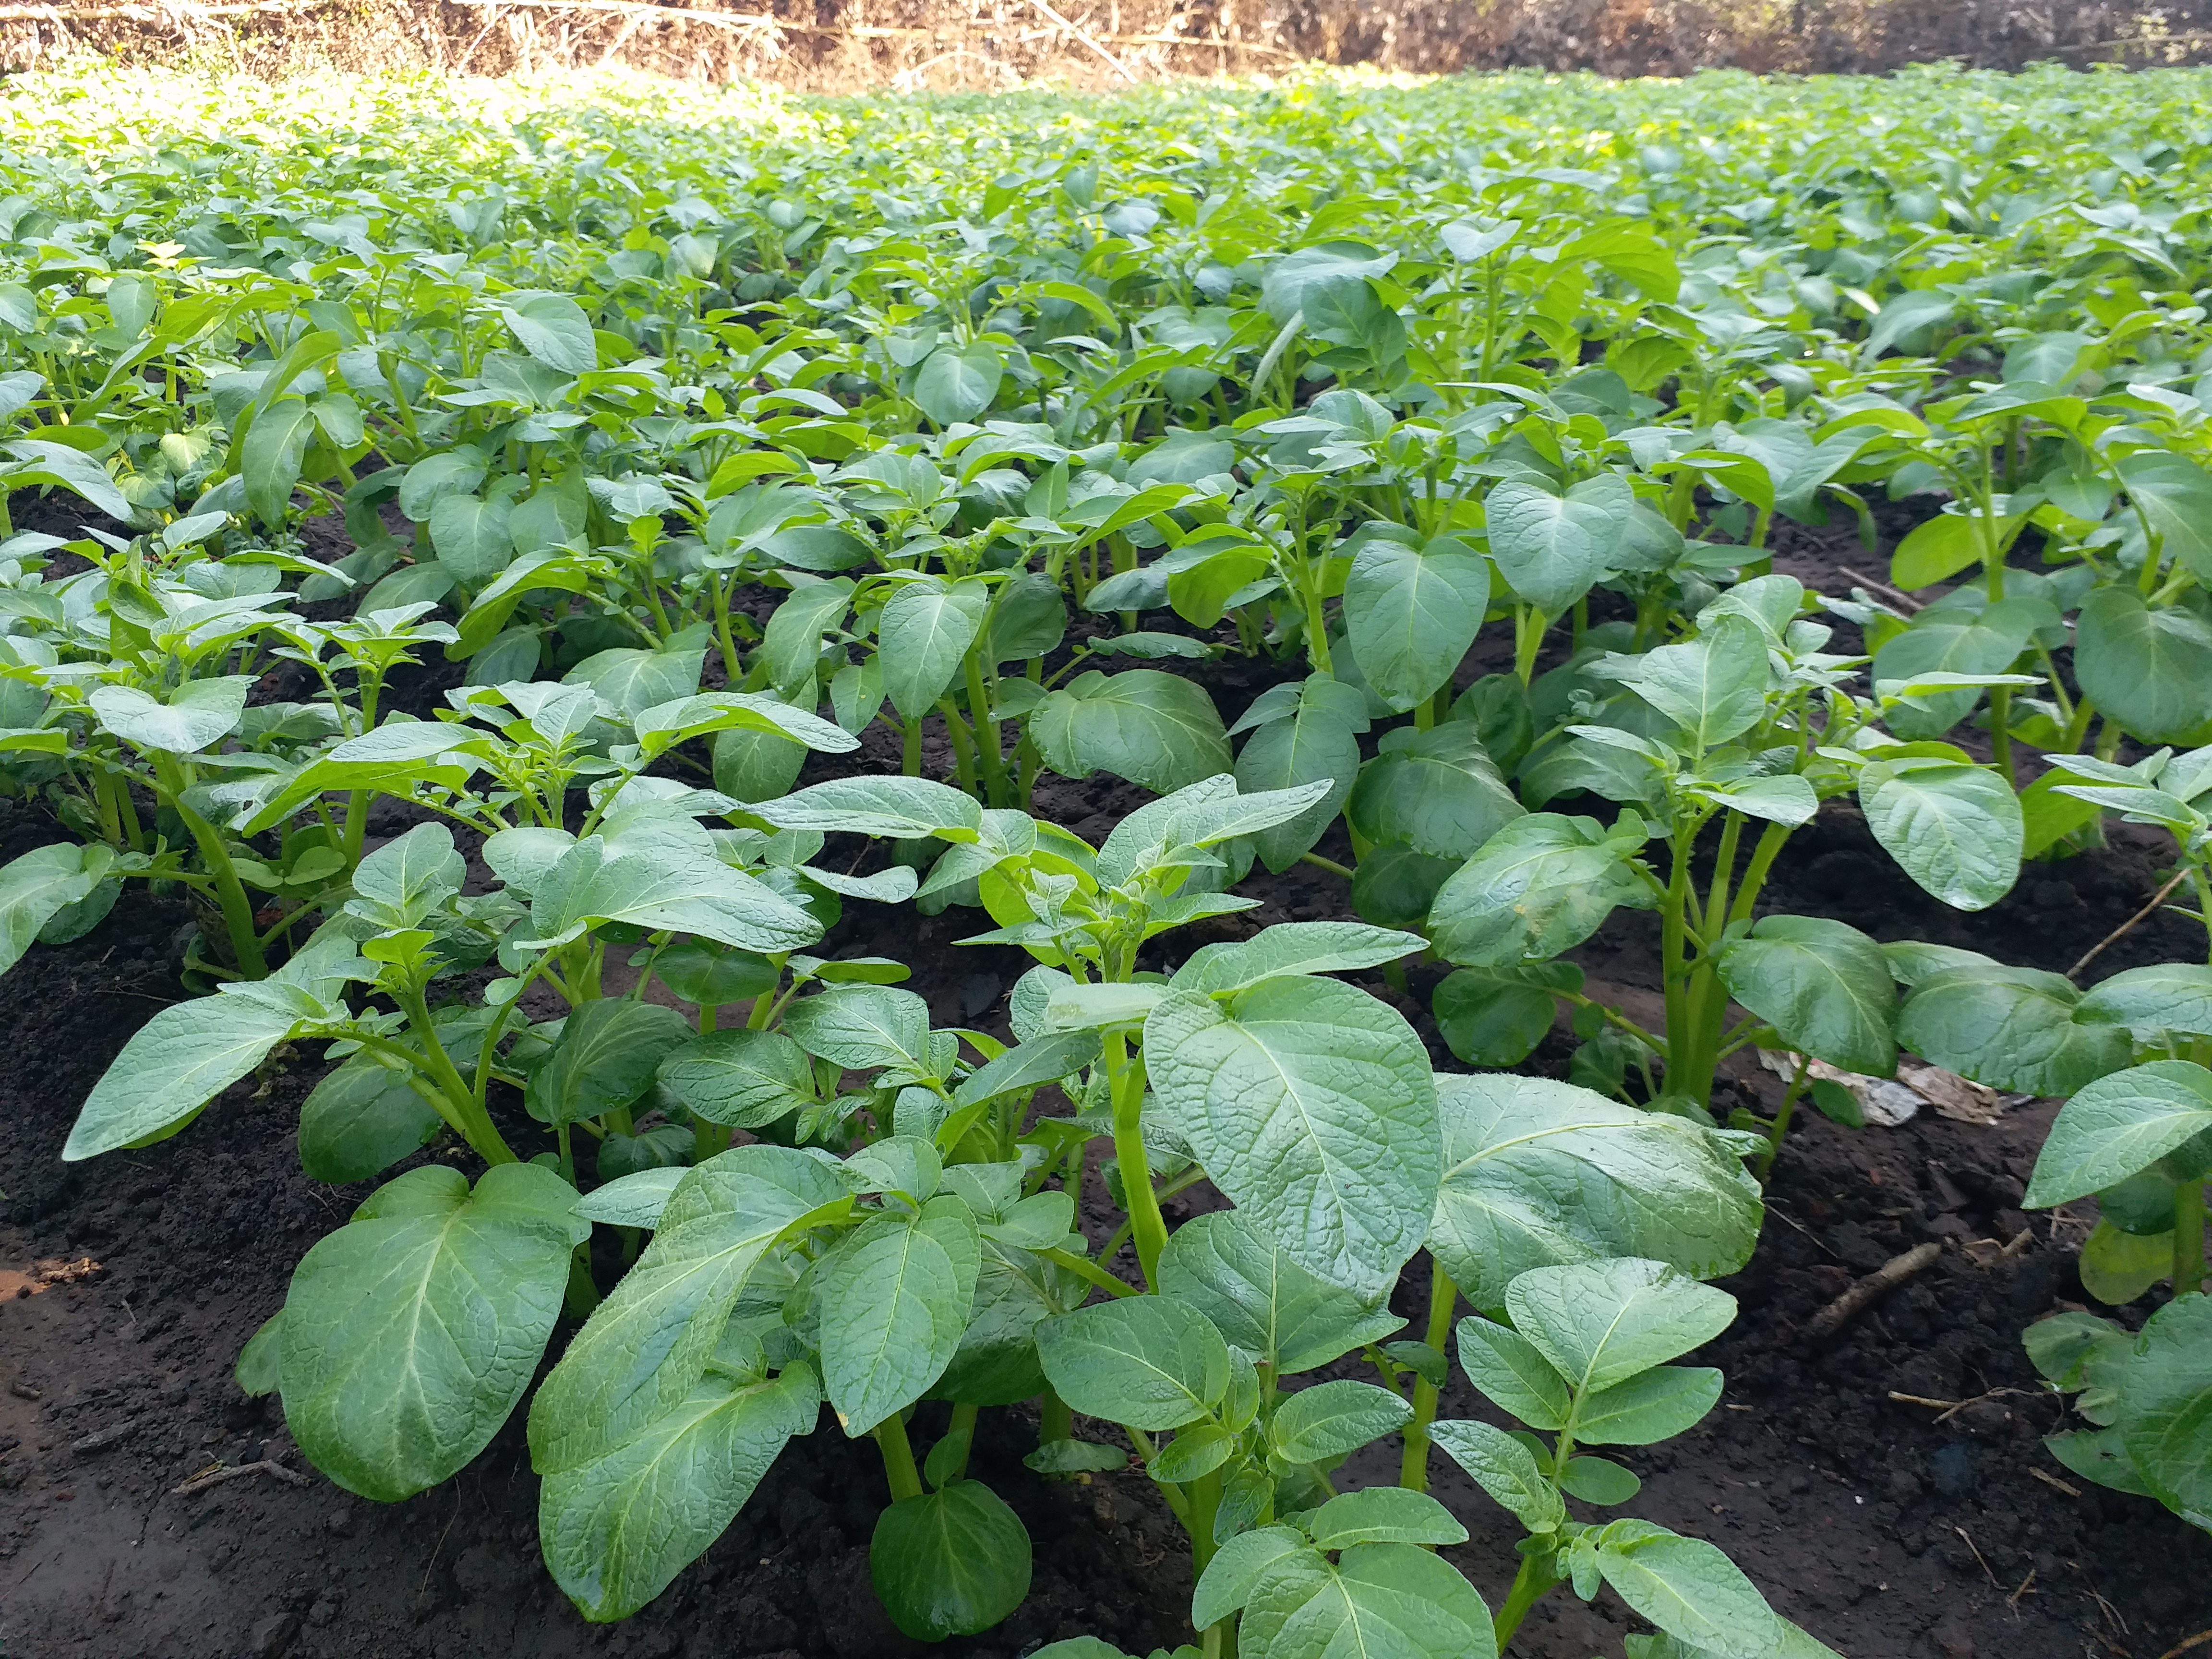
{"type": "Point", "coordinates": [710, 975]}
{"type": "Point", "coordinates": [1504, 1469]}
{"type": "Point", "coordinates": [1651, 1406]}
{"type": "Point", "coordinates": [1539, 886]}
{"type": "Point", "coordinates": [359, 1121]}
{"type": "Point", "coordinates": [1934, 550]}
{"type": "Point", "coordinates": [923, 635]}
{"type": "Point", "coordinates": [1154, 729]}
{"type": "Point", "coordinates": [894, 1307]}
{"type": "Point", "coordinates": [198, 712]}
{"type": "Point", "coordinates": [743, 1079]}
{"type": "Point", "coordinates": [1541, 1174]}
{"type": "Point", "coordinates": [270, 457]}
{"type": "Point", "coordinates": [1334, 1419]}
{"type": "Point", "coordinates": [1263, 1301]}
{"type": "Point", "coordinates": [1150, 1362]}
{"type": "Point", "coordinates": [1435, 792]}
{"type": "Point", "coordinates": [2100, 1457]}
{"type": "Point", "coordinates": [2149, 669]}
{"type": "Point", "coordinates": [2118, 1125]}
{"type": "Point", "coordinates": [1599, 1480]}
{"type": "Point", "coordinates": [410, 1333]}
{"type": "Point", "coordinates": [260, 1368]}
{"type": "Point", "coordinates": [1601, 1322]}
{"type": "Point", "coordinates": [1044, 1059]}
{"type": "Point", "coordinates": [2166, 1405]}
{"type": "Point", "coordinates": [1823, 986]}
{"type": "Point", "coordinates": [862, 1027]}
{"type": "Point", "coordinates": [1552, 549]}
{"type": "Point", "coordinates": [2175, 497]}
{"type": "Point", "coordinates": [950, 1563]}
{"type": "Point", "coordinates": [647, 1346]}
{"type": "Point", "coordinates": [174, 1065]}
{"type": "Point", "coordinates": [996, 1363]}
{"type": "Point", "coordinates": [1312, 1107]}
{"type": "Point", "coordinates": [39, 886]}
{"type": "Point", "coordinates": [1942, 641]}
{"type": "Point", "coordinates": [658, 884]}
{"type": "Point", "coordinates": [411, 875]}
{"type": "Point", "coordinates": [617, 1530]}
{"type": "Point", "coordinates": [633, 1201]}
{"type": "Point", "coordinates": [2011, 1028]}
{"type": "Point", "coordinates": [605, 1060]}
{"type": "Point", "coordinates": [2172, 996]}
{"type": "Point", "coordinates": [1382, 1515]}
{"type": "Point", "coordinates": [2115, 1267]}
{"type": "Point", "coordinates": [1688, 1589]}
{"type": "Point", "coordinates": [1237, 1567]}
{"type": "Point", "coordinates": [661, 727]}
{"type": "Point", "coordinates": [1316, 745]}
{"type": "Point", "coordinates": [1955, 829]}
{"type": "Point", "coordinates": [957, 383]}
{"type": "Point", "coordinates": [553, 329]}
{"type": "Point", "coordinates": [1495, 1017]}
{"type": "Point", "coordinates": [1512, 1373]}
{"type": "Point", "coordinates": [791, 644]}
{"type": "Point", "coordinates": [45, 462]}
{"type": "Point", "coordinates": [1293, 947]}
{"type": "Point", "coordinates": [899, 808]}
{"type": "Point", "coordinates": [1713, 688]}
{"type": "Point", "coordinates": [1394, 1600]}
{"type": "Point", "coordinates": [471, 539]}
{"type": "Point", "coordinates": [1411, 614]}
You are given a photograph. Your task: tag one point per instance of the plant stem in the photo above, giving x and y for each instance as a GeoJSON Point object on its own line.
{"type": "Point", "coordinates": [990, 758]}
{"type": "Point", "coordinates": [1535, 1578]}
{"type": "Point", "coordinates": [1148, 1230]}
{"type": "Point", "coordinates": [230, 893]}
{"type": "Point", "coordinates": [1781, 1118]}
{"type": "Point", "coordinates": [2189, 1237]}
{"type": "Point", "coordinates": [898, 1458]}
{"type": "Point", "coordinates": [1329, 864]}
{"type": "Point", "coordinates": [1087, 1270]}
{"type": "Point", "coordinates": [1444, 1298]}
{"type": "Point", "coordinates": [1056, 1419]}
{"type": "Point", "coordinates": [910, 751]}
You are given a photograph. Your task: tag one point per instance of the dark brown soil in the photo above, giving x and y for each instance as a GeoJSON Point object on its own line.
{"type": "Point", "coordinates": [1887, 1532]}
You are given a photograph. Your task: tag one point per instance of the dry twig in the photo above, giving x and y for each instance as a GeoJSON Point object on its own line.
{"type": "Point", "coordinates": [2196, 1641]}
{"type": "Point", "coordinates": [1971, 1545]}
{"type": "Point", "coordinates": [2120, 931]}
{"type": "Point", "coordinates": [2054, 1482]}
{"type": "Point", "coordinates": [1872, 1288]}
{"type": "Point", "coordinates": [222, 1472]}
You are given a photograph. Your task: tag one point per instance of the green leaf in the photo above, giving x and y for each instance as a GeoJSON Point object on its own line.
{"type": "Point", "coordinates": [2118, 1266]}
{"type": "Point", "coordinates": [2175, 497]}
{"type": "Point", "coordinates": [633, 1201]}
{"type": "Point", "coordinates": [39, 886]}
{"type": "Point", "coordinates": [1823, 986]}
{"type": "Point", "coordinates": [411, 1332]}
{"type": "Point", "coordinates": [950, 1563]}
{"type": "Point", "coordinates": [2011, 1028]}
{"type": "Point", "coordinates": [471, 539]}
{"type": "Point", "coordinates": [646, 1347]}
{"type": "Point", "coordinates": [657, 883]}
{"type": "Point", "coordinates": [605, 1060]}
{"type": "Point", "coordinates": [270, 460]}
{"type": "Point", "coordinates": [1496, 1017]}
{"type": "Point", "coordinates": [1293, 948]}
{"type": "Point", "coordinates": [902, 809]}
{"type": "Point", "coordinates": [410, 876]}
{"type": "Point", "coordinates": [743, 1079]}
{"type": "Point", "coordinates": [1955, 829]}
{"type": "Point", "coordinates": [923, 635]}
{"type": "Point", "coordinates": [45, 462]}
{"type": "Point", "coordinates": [2166, 1402]}
{"type": "Point", "coordinates": [1155, 729]}
{"type": "Point", "coordinates": [1653, 1406]}
{"type": "Point", "coordinates": [2171, 996]}
{"type": "Point", "coordinates": [1029, 618]}
{"type": "Point", "coordinates": [1934, 550]}
{"type": "Point", "coordinates": [2149, 669]}
{"type": "Point", "coordinates": [617, 1530]}
{"type": "Point", "coordinates": [894, 1307]}
{"type": "Point", "coordinates": [1316, 745]}
{"type": "Point", "coordinates": [1238, 1566]}
{"type": "Point", "coordinates": [1197, 1450]}
{"type": "Point", "coordinates": [1262, 1300]}
{"type": "Point", "coordinates": [553, 329]}
{"type": "Point", "coordinates": [198, 712]}
{"type": "Point", "coordinates": [1539, 886]}
{"type": "Point", "coordinates": [1435, 792]}
{"type": "Point", "coordinates": [1541, 1174]}
{"type": "Point", "coordinates": [1150, 1362]}
{"type": "Point", "coordinates": [2100, 1457]}
{"type": "Point", "coordinates": [1382, 1515]}
{"type": "Point", "coordinates": [1599, 1480]}
{"type": "Point", "coordinates": [174, 1065]}
{"type": "Point", "coordinates": [1396, 1600]}
{"type": "Point", "coordinates": [1334, 1419]}
{"type": "Point", "coordinates": [1076, 1457]}
{"type": "Point", "coordinates": [1601, 1322]}
{"type": "Point", "coordinates": [260, 1368]}
{"type": "Point", "coordinates": [1689, 1589]}
{"type": "Point", "coordinates": [1504, 1469]}
{"type": "Point", "coordinates": [1312, 1107]}
{"type": "Point", "coordinates": [1411, 614]}
{"type": "Point", "coordinates": [359, 1121]}
{"type": "Point", "coordinates": [861, 1027]}
{"type": "Point", "coordinates": [1512, 1373]}
{"type": "Point", "coordinates": [1551, 549]}
{"type": "Point", "coordinates": [2120, 1125]}
{"type": "Point", "coordinates": [1713, 688]}
{"type": "Point", "coordinates": [957, 383]}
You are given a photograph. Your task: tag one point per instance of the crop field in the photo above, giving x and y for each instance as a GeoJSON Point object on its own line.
{"type": "Point", "coordinates": [1417, 870]}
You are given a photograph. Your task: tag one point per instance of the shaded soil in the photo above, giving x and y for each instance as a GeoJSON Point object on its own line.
{"type": "Point", "coordinates": [1891, 1529]}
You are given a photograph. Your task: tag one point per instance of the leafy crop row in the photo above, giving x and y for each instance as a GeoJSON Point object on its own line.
{"type": "Point", "coordinates": [721, 440]}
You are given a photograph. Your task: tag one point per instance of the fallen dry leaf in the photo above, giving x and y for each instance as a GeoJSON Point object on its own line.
{"type": "Point", "coordinates": [1889, 1102]}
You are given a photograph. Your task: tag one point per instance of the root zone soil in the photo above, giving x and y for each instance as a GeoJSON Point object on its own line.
{"type": "Point", "coordinates": [1887, 1488]}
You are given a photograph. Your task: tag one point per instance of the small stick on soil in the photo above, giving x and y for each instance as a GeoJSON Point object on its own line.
{"type": "Point", "coordinates": [1902, 598]}
{"type": "Point", "coordinates": [2196, 1641]}
{"type": "Point", "coordinates": [2053, 1481]}
{"type": "Point", "coordinates": [2120, 931]}
{"type": "Point", "coordinates": [1871, 1289]}
{"type": "Point", "coordinates": [2013, 1600]}
{"type": "Point", "coordinates": [1971, 1545]}
{"type": "Point", "coordinates": [1922, 1400]}
{"type": "Point", "coordinates": [101, 1439]}
{"type": "Point", "coordinates": [215, 1477]}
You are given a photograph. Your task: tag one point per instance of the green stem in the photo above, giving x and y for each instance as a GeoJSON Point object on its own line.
{"type": "Point", "coordinates": [910, 750]}
{"type": "Point", "coordinates": [990, 758]}
{"type": "Point", "coordinates": [1149, 1230]}
{"type": "Point", "coordinates": [1529, 626]}
{"type": "Point", "coordinates": [898, 1458]}
{"type": "Point", "coordinates": [582, 1294]}
{"type": "Point", "coordinates": [1529, 1584]}
{"type": "Point", "coordinates": [1056, 1419]}
{"type": "Point", "coordinates": [1444, 1298]}
{"type": "Point", "coordinates": [230, 893]}
{"type": "Point", "coordinates": [1084, 1268]}
{"type": "Point", "coordinates": [1329, 864]}
{"type": "Point", "coordinates": [1781, 1126]}
{"type": "Point", "coordinates": [476, 1124]}
{"type": "Point", "coordinates": [964, 747]}
{"type": "Point", "coordinates": [963, 1425]}
{"type": "Point", "coordinates": [2189, 1237]}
